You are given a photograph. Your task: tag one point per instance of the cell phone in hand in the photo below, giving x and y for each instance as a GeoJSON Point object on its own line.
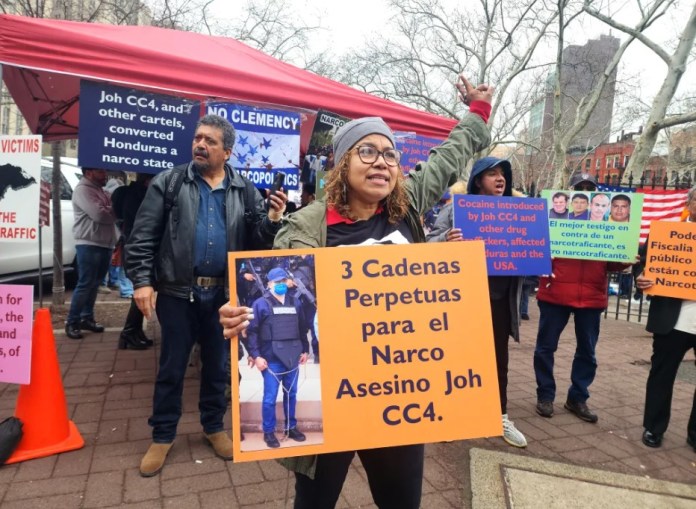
{"type": "Point", "coordinates": [278, 182]}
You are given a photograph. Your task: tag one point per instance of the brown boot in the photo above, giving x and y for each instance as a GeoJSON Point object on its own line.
{"type": "Point", "coordinates": [221, 444]}
{"type": "Point", "coordinates": [153, 461]}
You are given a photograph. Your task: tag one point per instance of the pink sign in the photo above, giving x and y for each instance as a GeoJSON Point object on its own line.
{"type": "Point", "coordinates": [16, 307]}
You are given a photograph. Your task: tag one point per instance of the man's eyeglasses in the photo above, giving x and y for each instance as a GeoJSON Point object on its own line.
{"type": "Point", "coordinates": [369, 154]}
{"type": "Point", "coordinates": [585, 186]}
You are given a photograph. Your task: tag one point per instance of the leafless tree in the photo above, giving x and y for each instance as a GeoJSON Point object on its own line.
{"type": "Point", "coordinates": [676, 63]}
{"type": "Point", "coordinates": [272, 27]}
{"type": "Point", "coordinates": [492, 41]}
{"type": "Point", "coordinates": [563, 135]}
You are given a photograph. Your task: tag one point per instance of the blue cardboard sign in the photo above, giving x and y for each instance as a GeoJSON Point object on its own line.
{"type": "Point", "coordinates": [131, 130]}
{"type": "Point", "coordinates": [514, 230]}
{"type": "Point", "coordinates": [414, 148]}
{"type": "Point", "coordinates": [267, 141]}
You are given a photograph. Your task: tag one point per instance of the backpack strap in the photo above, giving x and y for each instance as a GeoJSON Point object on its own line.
{"type": "Point", "coordinates": [249, 197]}
{"type": "Point", "coordinates": [176, 179]}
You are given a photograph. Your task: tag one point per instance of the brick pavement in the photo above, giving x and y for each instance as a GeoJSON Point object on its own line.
{"type": "Point", "coordinates": [109, 396]}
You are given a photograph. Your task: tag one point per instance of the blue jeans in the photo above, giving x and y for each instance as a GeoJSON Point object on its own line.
{"type": "Point", "coordinates": [92, 264]}
{"type": "Point", "coordinates": [116, 276]}
{"type": "Point", "coordinates": [184, 323]}
{"type": "Point", "coordinates": [528, 284]}
{"type": "Point", "coordinates": [125, 285]}
{"type": "Point", "coordinates": [552, 320]}
{"type": "Point", "coordinates": [524, 300]}
{"type": "Point", "coordinates": [271, 384]}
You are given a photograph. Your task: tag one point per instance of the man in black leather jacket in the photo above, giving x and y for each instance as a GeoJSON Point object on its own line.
{"type": "Point", "coordinates": [179, 247]}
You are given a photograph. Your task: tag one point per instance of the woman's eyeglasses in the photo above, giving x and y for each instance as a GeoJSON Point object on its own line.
{"type": "Point", "coordinates": [369, 154]}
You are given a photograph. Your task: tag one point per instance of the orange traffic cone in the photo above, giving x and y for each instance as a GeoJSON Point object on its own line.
{"type": "Point", "coordinates": [41, 405]}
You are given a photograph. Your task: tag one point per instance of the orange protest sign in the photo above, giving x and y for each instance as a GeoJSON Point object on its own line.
{"type": "Point", "coordinates": [671, 259]}
{"type": "Point", "coordinates": [406, 344]}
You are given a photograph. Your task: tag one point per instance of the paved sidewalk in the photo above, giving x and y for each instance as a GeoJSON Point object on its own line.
{"type": "Point", "coordinates": [109, 394]}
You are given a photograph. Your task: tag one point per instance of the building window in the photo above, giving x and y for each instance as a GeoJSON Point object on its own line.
{"type": "Point", "coordinates": [588, 163]}
{"type": "Point", "coordinates": [677, 154]}
{"type": "Point", "coordinates": [609, 160]}
{"type": "Point", "coordinates": [599, 163]}
{"type": "Point", "coordinates": [626, 159]}
{"type": "Point", "coordinates": [688, 154]}
{"type": "Point", "coordinates": [616, 161]}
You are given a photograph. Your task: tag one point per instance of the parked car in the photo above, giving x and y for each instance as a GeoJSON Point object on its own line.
{"type": "Point", "coordinates": [20, 260]}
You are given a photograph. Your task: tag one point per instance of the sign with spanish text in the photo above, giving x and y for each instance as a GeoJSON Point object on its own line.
{"type": "Point", "coordinates": [406, 349]}
{"type": "Point", "coordinates": [20, 177]}
{"type": "Point", "coordinates": [515, 231]}
{"type": "Point", "coordinates": [267, 141]}
{"type": "Point", "coordinates": [671, 259]}
{"type": "Point", "coordinates": [123, 129]}
{"type": "Point", "coordinates": [414, 148]}
{"type": "Point", "coordinates": [16, 307]}
{"type": "Point", "coordinates": [594, 225]}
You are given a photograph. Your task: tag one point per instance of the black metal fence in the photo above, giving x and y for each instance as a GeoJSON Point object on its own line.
{"type": "Point", "coordinates": [630, 304]}
{"type": "Point", "coordinates": [674, 181]}
{"type": "Point", "coordinates": [627, 306]}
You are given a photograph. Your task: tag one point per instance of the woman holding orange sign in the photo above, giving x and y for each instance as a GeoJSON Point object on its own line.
{"type": "Point", "coordinates": [369, 201]}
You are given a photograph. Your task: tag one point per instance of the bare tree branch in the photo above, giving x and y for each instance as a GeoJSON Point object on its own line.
{"type": "Point", "coordinates": [637, 33]}
{"type": "Point", "coordinates": [676, 120]}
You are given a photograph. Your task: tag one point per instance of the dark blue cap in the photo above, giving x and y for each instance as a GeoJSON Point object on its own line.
{"type": "Point", "coordinates": [277, 274]}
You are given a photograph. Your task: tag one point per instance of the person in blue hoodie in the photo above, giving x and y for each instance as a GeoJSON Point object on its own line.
{"type": "Point", "coordinates": [491, 176]}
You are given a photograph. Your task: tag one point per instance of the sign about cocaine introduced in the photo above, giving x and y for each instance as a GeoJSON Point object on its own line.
{"type": "Point", "coordinates": [594, 225]}
{"type": "Point", "coordinates": [671, 259]}
{"type": "Point", "coordinates": [131, 130]}
{"type": "Point", "coordinates": [515, 231]}
{"type": "Point", "coordinates": [267, 142]}
{"type": "Point", "coordinates": [16, 306]}
{"type": "Point", "coordinates": [406, 348]}
{"type": "Point", "coordinates": [414, 148]}
{"type": "Point", "coordinates": [20, 177]}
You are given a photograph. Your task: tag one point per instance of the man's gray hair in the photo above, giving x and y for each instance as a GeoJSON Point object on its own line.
{"type": "Point", "coordinates": [219, 123]}
{"type": "Point", "coordinates": [691, 195]}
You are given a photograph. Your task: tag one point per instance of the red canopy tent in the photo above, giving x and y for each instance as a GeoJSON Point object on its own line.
{"type": "Point", "coordinates": [43, 61]}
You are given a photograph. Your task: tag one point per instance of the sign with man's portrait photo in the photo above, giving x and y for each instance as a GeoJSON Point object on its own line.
{"type": "Point", "coordinates": [362, 347]}
{"type": "Point", "coordinates": [594, 225]}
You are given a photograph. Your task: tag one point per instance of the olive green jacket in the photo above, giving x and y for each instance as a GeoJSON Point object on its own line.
{"type": "Point", "coordinates": [425, 185]}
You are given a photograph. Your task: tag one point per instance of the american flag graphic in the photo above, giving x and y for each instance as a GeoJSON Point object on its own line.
{"type": "Point", "coordinates": [660, 205]}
